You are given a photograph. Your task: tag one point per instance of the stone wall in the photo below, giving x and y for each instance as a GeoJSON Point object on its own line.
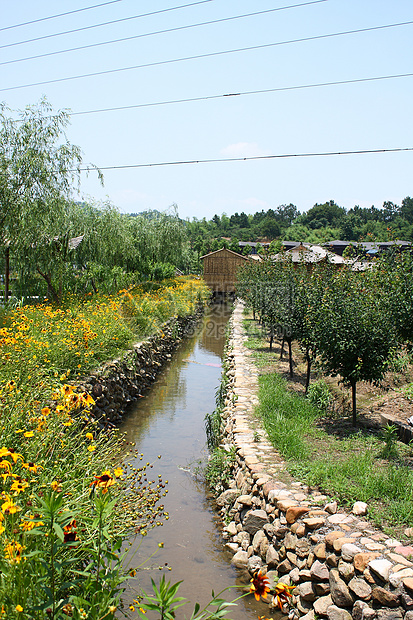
{"type": "Point", "coordinates": [342, 566]}
{"type": "Point", "coordinates": [120, 382]}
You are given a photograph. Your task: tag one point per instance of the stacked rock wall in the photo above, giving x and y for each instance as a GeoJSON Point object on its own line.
{"type": "Point", "coordinates": [342, 566]}
{"type": "Point", "coordinates": [118, 383]}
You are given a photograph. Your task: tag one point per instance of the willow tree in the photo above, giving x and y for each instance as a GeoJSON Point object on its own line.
{"type": "Point", "coordinates": [39, 170]}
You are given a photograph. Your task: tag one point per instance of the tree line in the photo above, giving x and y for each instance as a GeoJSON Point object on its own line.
{"type": "Point", "coordinates": [52, 244]}
{"type": "Point", "coordinates": [351, 323]}
{"type": "Point", "coordinates": [320, 224]}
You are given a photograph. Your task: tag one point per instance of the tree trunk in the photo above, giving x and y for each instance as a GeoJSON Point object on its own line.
{"type": "Point", "coordinates": [271, 337]}
{"type": "Point", "coordinates": [7, 274]}
{"type": "Point", "coordinates": [282, 348]}
{"type": "Point", "coordinates": [51, 291]}
{"type": "Point", "coordinates": [307, 378]}
{"type": "Point", "coordinates": [290, 355]}
{"type": "Point", "coordinates": [354, 401]}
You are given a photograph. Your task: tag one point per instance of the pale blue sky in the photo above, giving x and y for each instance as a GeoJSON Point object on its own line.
{"type": "Point", "coordinates": [369, 115]}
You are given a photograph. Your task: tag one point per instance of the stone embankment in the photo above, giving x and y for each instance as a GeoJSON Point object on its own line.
{"type": "Point", "coordinates": [119, 382]}
{"type": "Point", "coordinates": [342, 567]}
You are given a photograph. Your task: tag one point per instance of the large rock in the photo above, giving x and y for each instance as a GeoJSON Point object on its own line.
{"type": "Point", "coordinates": [295, 512]}
{"type": "Point", "coordinates": [387, 614]}
{"type": "Point", "coordinates": [307, 591]}
{"type": "Point", "coordinates": [339, 591]}
{"type": "Point", "coordinates": [360, 588]}
{"type": "Point", "coordinates": [385, 598]}
{"type": "Point", "coordinates": [255, 520]}
{"type": "Point", "coordinates": [322, 604]}
{"type": "Point", "coordinates": [319, 571]}
{"type": "Point", "coordinates": [348, 551]}
{"type": "Point", "coordinates": [302, 548]}
{"type": "Point", "coordinates": [337, 613]}
{"type": "Point", "coordinates": [381, 568]}
{"type": "Point", "coordinates": [358, 607]}
{"type": "Point", "coordinates": [272, 557]}
{"type": "Point", "coordinates": [359, 509]}
{"type": "Point", "coordinates": [228, 497]}
{"type": "Point", "coordinates": [240, 559]}
{"type": "Point", "coordinates": [346, 570]}
{"type": "Point", "coordinates": [257, 540]}
{"type": "Point", "coordinates": [361, 560]}
{"type": "Point", "coordinates": [254, 563]}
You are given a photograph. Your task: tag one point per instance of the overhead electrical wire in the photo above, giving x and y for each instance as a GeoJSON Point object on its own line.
{"type": "Point", "coordinates": [247, 92]}
{"type": "Point", "coordinates": [114, 21]}
{"type": "Point", "coordinates": [252, 158]}
{"type": "Point", "coordinates": [208, 55]}
{"type": "Point", "coordinates": [43, 19]}
{"type": "Point", "coordinates": [157, 32]}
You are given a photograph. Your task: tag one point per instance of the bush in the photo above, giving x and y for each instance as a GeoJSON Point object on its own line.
{"type": "Point", "coordinates": [319, 395]}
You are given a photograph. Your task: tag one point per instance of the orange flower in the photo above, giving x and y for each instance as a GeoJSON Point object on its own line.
{"type": "Point", "coordinates": [104, 481]}
{"type": "Point", "coordinates": [282, 594]}
{"type": "Point", "coordinates": [260, 586]}
{"type": "Point", "coordinates": [70, 533]}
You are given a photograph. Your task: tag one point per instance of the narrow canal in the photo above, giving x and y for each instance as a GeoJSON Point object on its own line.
{"type": "Point", "coordinates": [169, 421]}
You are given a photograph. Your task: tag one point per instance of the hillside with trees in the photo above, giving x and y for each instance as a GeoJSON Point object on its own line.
{"type": "Point", "coordinates": [320, 224]}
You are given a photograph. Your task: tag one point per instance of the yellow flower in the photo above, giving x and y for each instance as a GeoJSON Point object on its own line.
{"type": "Point", "coordinates": [9, 508]}
{"type": "Point", "coordinates": [27, 526]}
{"type": "Point", "coordinates": [13, 553]}
{"type": "Point", "coordinates": [18, 486]}
{"type": "Point", "coordinates": [29, 434]}
{"type": "Point", "coordinates": [118, 472]}
{"type": "Point", "coordinates": [32, 467]}
{"type": "Point", "coordinates": [19, 608]}
{"type": "Point", "coordinates": [89, 436]}
{"type": "Point", "coordinates": [91, 448]}
{"type": "Point", "coordinates": [55, 485]}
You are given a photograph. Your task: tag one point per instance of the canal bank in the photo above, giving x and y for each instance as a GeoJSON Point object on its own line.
{"type": "Point", "coordinates": [339, 565]}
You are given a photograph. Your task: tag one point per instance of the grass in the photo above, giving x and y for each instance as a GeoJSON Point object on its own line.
{"type": "Point", "coordinates": [348, 464]}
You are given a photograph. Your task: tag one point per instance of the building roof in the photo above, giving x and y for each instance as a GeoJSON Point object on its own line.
{"type": "Point", "coordinates": [223, 250]}
{"type": "Point", "coordinates": [308, 253]}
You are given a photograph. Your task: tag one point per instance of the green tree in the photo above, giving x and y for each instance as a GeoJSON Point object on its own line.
{"type": "Point", "coordinates": [39, 169]}
{"type": "Point", "coordinates": [328, 213]}
{"type": "Point", "coordinates": [354, 330]}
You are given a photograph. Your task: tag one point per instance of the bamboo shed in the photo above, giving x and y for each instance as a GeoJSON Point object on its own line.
{"type": "Point", "coordinates": [220, 270]}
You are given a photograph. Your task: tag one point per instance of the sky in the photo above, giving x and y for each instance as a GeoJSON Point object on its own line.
{"type": "Point", "coordinates": [364, 115]}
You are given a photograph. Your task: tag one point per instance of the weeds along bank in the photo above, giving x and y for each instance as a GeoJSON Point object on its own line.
{"type": "Point", "coordinates": [66, 505]}
{"type": "Point", "coordinates": [333, 564]}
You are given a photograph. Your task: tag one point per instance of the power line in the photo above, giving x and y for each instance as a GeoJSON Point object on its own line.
{"type": "Point", "coordinates": [209, 55]}
{"type": "Point", "coordinates": [247, 92]}
{"type": "Point", "coordinates": [115, 21]}
{"type": "Point", "coordinates": [43, 19]}
{"type": "Point", "coordinates": [257, 157]}
{"type": "Point", "coordinates": [157, 32]}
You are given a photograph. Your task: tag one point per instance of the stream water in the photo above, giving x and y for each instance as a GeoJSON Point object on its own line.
{"type": "Point", "coordinates": [169, 421]}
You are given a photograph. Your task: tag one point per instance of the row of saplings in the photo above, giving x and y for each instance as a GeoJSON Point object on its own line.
{"type": "Point", "coordinates": [352, 322]}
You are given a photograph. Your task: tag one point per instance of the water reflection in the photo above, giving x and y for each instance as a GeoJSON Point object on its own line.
{"type": "Point", "coordinates": [169, 421]}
